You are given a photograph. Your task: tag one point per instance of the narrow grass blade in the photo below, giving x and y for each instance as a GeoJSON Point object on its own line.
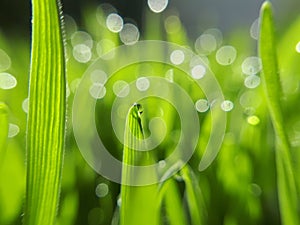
{"type": "Point", "coordinates": [287, 193]}
{"type": "Point", "coordinates": [170, 195]}
{"type": "Point", "coordinates": [138, 203]}
{"type": "Point", "coordinates": [46, 116]}
{"type": "Point", "coordinates": [3, 130]}
{"type": "Point", "coordinates": [194, 197]}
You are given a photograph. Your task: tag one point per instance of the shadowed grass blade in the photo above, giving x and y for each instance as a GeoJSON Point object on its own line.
{"type": "Point", "coordinates": [287, 193]}
{"type": "Point", "coordinates": [46, 116]}
{"type": "Point", "coordinates": [138, 203]}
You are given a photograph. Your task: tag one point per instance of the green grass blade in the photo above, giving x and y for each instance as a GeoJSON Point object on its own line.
{"type": "Point", "coordinates": [170, 195]}
{"type": "Point", "coordinates": [194, 196]}
{"type": "Point", "coordinates": [287, 193]}
{"type": "Point", "coordinates": [46, 117]}
{"type": "Point", "coordinates": [138, 203]}
{"type": "Point", "coordinates": [3, 130]}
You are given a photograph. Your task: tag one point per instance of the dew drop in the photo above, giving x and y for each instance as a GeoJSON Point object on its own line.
{"type": "Point", "coordinates": [162, 164]}
{"type": "Point", "coordinates": [298, 47]}
{"type": "Point", "coordinates": [252, 81]}
{"type": "Point", "coordinates": [70, 26]}
{"type": "Point", "coordinates": [251, 65]}
{"type": "Point", "coordinates": [5, 61]}
{"type": "Point", "coordinates": [121, 88]}
{"type": "Point", "coordinates": [114, 22]}
{"type": "Point", "coordinates": [198, 72]}
{"type": "Point", "coordinates": [82, 53]}
{"type": "Point", "coordinates": [226, 55]}
{"type": "Point", "coordinates": [81, 37]}
{"type": "Point", "coordinates": [250, 99]}
{"type": "Point", "coordinates": [216, 33]}
{"type": "Point", "coordinates": [205, 44]}
{"type": "Point", "coordinates": [254, 29]}
{"type": "Point", "coordinates": [130, 34]}
{"type": "Point", "coordinates": [13, 130]}
{"type": "Point", "coordinates": [202, 105]}
{"type": "Point", "coordinates": [157, 6]}
{"type": "Point", "coordinates": [97, 91]}
{"type": "Point", "coordinates": [25, 105]}
{"type": "Point", "coordinates": [177, 57]}
{"type": "Point", "coordinates": [102, 190]}
{"type": "Point", "coordinates": [253, 120]}
{"type": "Point", "coordinates": [255, 189]}
{"type": "Point", "coordinates": [74, 84]}
{"type": "Point", "coordinates": [172, 24]}
{"type": "Point", "coordinates": [142, 83]}
{"type": "Point", "coordinates": [170, 75]}
{"type": "Point", "coordinates": [7, 81]}
{"type": "Point", "coordinates": [98, 76]}
{"type": "Point", "coordinates": [227, 105]}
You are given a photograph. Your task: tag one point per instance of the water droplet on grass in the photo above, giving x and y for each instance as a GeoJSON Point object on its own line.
{"type": "Point", "coordinates": [13, 130]}
{"type": "Point", "coordinates": [5, 61]}
{"type": "Point", "coordinates": [25, 105]}
{"type": "Point", "coordinates": [253, 120]}
{"type": "Point", "coordinates": [70, 26]}
{"type": "Point", "coordinates": [226, 55]}
{"type": "Point", "coordinates": [102, 190]}
{"type": "Point", "coordinates": [227, 105]}
{"type": "Point", "coordinates": [250, 99]}
{"type": "Point", "coordinates": [198, 72]}
{"type": "Point", "coordinates": [255, 189]}
{"type": "Point", "coordinates": [216, 33]}
{"type": "Point", "coordinates": [81, 37]}
{"type": "Point", "coordinates": [251, 65]}
{"type": "Point", "coordinates": [82, 53]}
{"type": "Point", "coordinates": [114, 22]}
{"type": "Point", "coordinates": [205, 44]}
{"type": "Point", "coordinates": [121, 88]}
{"type": "Point", "coordinates": [172, 24]}
{"type": "Point", "coordinates": [157, 6]}
{"type": "Point", "coordinates": [177, 57]}
{"type": "Point", "coordinates": [98, 76]}
{"type": "Point", "coordinates": [170, 75]}
{"type": "Point", "coordinates": [298, 47]}
{"type": "Point", "coordinates": [7, 81]}
{"type": "Point", "coordinates": [130, 34]}
{"type": "Point", "coordinates": [252, 81]}
{"type": "Point", "coordinates": [254, 29]}
{"type": "Point", "coordinates": [97, 91]}
{"type": "Point", "coordinates": [162, 163]}
{"type": "Point", "coordinates": [202, 105]}
{"type": "Point", "coordinates": [142, 83]}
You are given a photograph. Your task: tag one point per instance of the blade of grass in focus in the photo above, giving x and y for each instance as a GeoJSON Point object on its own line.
{"type": "Point", "coordinates": [287, 192]}
{"type": "Point", "coordinates": [138, 203]}
{"type": "Point", "coordinates": [46, 116]}
{"type": "Point", "coordinates": [3, 130]}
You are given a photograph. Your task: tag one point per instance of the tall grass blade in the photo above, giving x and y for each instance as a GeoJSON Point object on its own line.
{"type": "Point", "coordinates": [170, 195]}
{"type": "Point", "coordinates": [287, 192]}
{"type": "Point", "coordinates": [194, 196]}
{"type": "Point", "coordinates": [138, 203]}
{"type": "Point", "coordinates": [46, 116]}
{"type": "Point", "coordinates": [3, 130]}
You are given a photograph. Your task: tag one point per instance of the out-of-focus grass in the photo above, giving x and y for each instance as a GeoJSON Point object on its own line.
{"type": "Point", "coordinates": [240, 185]}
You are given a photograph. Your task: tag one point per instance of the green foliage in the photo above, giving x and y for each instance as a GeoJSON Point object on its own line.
{"type": "Point", "coordinates": [288, 198]}
{"type": "Point", "coordinates": [4, 130]}
{"type": "Point", "coordinates": [46, 117]}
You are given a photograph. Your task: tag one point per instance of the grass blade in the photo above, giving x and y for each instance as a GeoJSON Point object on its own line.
{"type": "Point", "coordinates": [194, 196]}
{"type": "Point", "coordinates": [3, 130]}
{"type": "Point", "coordinates": [46, 116]}
{"type": "Point", "coordinates": [287, 192]}
{"type": "Point", "coordinates": [138, 202]}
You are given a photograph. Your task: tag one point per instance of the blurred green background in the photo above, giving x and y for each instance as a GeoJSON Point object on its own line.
{"type": "Point", "coordinates": [240, 186]}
